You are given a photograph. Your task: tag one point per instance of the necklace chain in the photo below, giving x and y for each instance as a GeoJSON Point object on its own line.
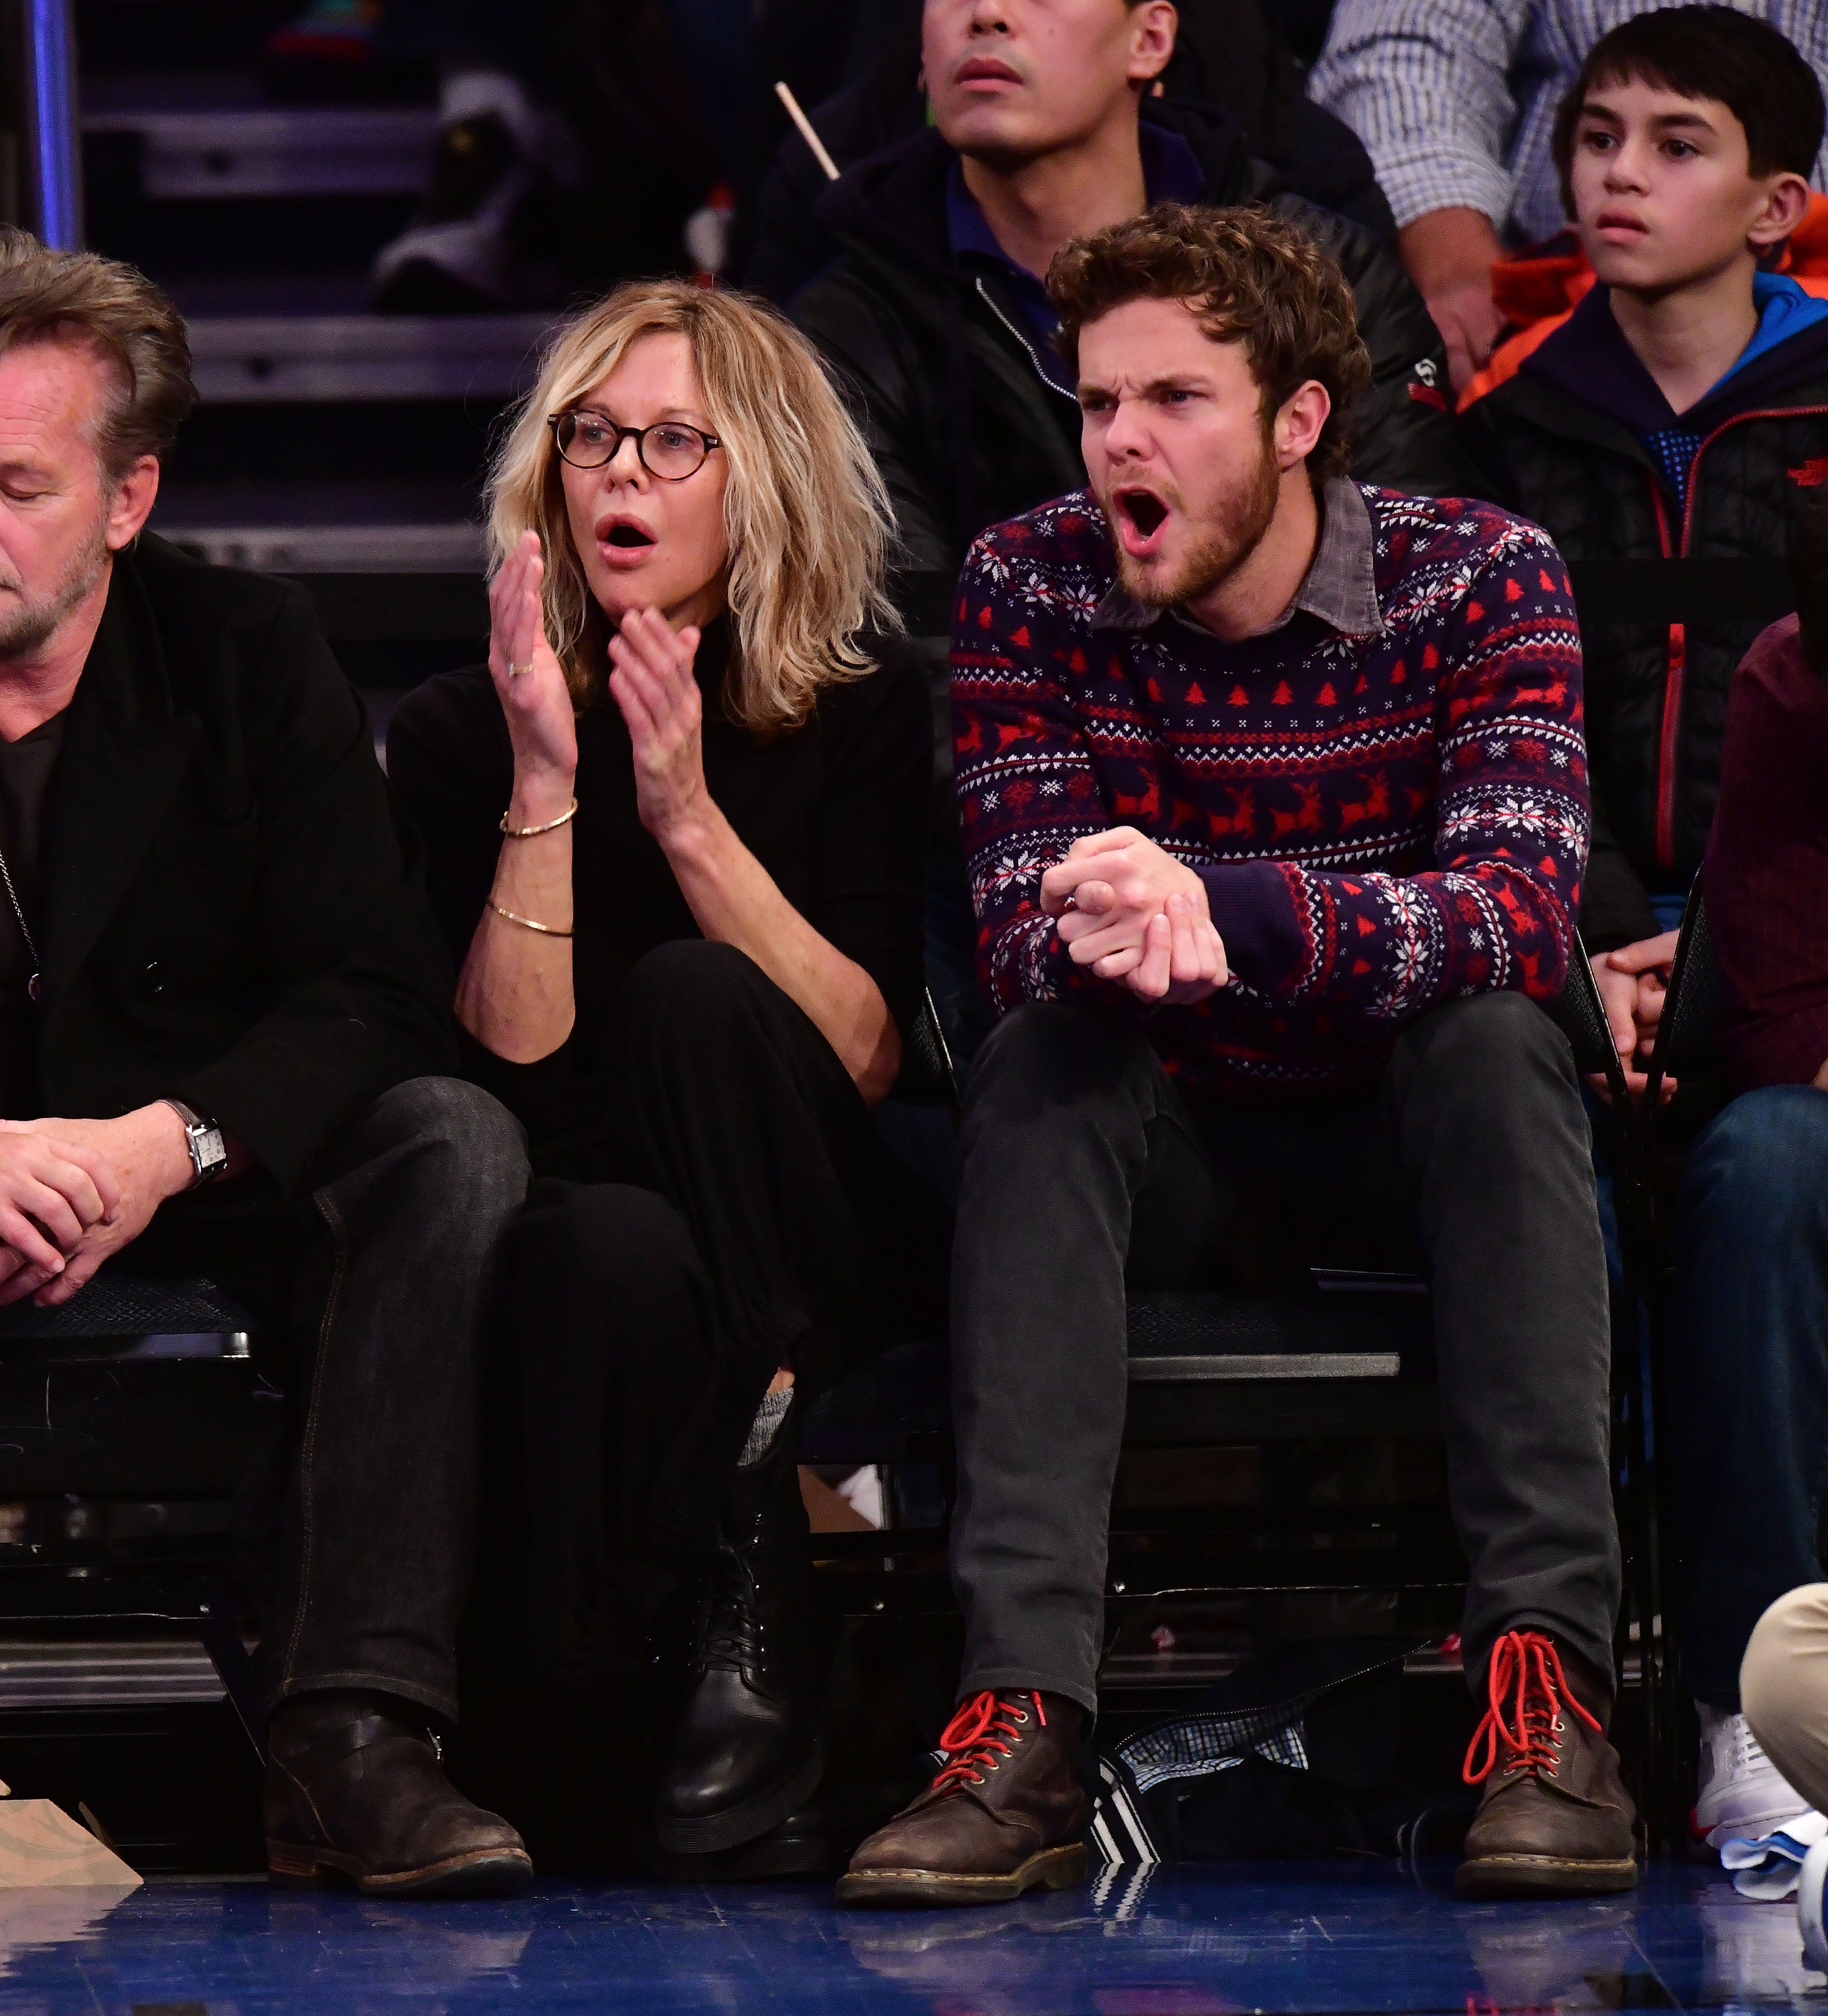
{"type": "Point", "coordinates": [33, 986]}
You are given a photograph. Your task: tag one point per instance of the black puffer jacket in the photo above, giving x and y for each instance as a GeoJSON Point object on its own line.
{"type": "Point", "coordinates": [1228, 55]}
{"type": "Point", "coordinates": [1553, 443]}
{"type": "Point", "coordinates": [946, 384]}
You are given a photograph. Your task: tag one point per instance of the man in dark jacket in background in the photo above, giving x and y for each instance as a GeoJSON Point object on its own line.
{"type": "Point", "coordinates": [221, 991]}
{"type": "Point", "coordinates": [1231, 59]}
{"type": "Point", "coordinates": [934, 315]}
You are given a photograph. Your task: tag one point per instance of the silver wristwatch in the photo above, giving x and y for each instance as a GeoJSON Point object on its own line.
{"type": "Point", "coordinates": [209, 1153]}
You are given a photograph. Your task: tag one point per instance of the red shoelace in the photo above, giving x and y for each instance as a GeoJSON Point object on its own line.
{"type": "Point", "coordinates": [982, 1730]}
{"type": "Point", "coordinates": [1526, 1673]}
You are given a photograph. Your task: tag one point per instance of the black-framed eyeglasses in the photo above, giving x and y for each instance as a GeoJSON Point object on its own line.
{"type": "Point", "coordinates": [669, 449]}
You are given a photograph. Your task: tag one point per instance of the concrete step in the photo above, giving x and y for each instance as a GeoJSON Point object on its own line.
{"type": "Point", "coordinates": [354, 527]}
{"type": "Point", "coordinates": [258, 359]}
{"type": "Point", "coordinates": [105, 1672]}
{"type": "Point", "coordinates": [416, 550]}
{"type": "Point", "coordinates": [365, 150]}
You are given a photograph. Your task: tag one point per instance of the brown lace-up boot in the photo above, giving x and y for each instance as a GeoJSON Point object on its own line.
{"type": "Point", "coordinates": [1556, 1820]}
{"type": "Point", "coordinates": [1003, 1815]}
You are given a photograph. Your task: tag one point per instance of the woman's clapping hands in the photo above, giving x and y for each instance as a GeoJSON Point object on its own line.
{"type": "Point", "coordinates": [531, 684]}
{"type": "Point", "coordinates": [652, 681]}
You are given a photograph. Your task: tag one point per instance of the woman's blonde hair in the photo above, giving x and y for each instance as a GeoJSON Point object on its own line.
{"type": "Point", "coordinates": [805, 512]}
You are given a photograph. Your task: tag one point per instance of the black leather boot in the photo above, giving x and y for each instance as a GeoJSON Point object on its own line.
{"type": "Point", "coordinates": [747, 1751]}
{"type": "Point", "coordinates": [800, 1845]}
{"type": "Point", "coordinates": [355, 1789]}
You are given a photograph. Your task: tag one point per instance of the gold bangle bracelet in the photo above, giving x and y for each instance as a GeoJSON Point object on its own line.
{"type": "Point", "coordinates": [533, 832]}
{"type": "Point", "coordinates": [529, 923]}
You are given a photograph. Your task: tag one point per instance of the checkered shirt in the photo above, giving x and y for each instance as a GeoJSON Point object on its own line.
{"type": "Point", "coordinates": [1456, 100]}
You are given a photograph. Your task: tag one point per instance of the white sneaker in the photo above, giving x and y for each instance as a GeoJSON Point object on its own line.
{"type": "Point", "coordinates": [1808, 1908]}
{"type": "Point", "coordinates": [1742, 1793]}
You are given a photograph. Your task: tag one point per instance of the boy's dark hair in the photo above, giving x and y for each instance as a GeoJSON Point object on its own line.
{"type": "Point", "coordinates": [1714, 53]}
{"type": "Point", "coordinates": [1249, 277]}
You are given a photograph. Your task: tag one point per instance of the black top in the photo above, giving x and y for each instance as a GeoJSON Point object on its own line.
{"type": "Point", "coordinates": [25, 781]}
{"type": "Point", "coordinates": [835, 812]}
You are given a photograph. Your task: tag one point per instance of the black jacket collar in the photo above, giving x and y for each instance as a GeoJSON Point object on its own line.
{"type": "Point", "coordinates": [892, 205]}
{"type": "Point", "coordinates": [125, 745]}
{"type": "Point", "coordinates": [1589, 358]}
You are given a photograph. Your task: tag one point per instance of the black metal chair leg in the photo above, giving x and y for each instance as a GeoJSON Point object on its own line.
{"type": "Point", "coordinates": [221, 1640]}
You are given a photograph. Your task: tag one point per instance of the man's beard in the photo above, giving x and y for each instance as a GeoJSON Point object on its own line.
{"type": "Point", "coordinates": [27, 626]}
{"type": "Point", "coordinates": [1222, 545]}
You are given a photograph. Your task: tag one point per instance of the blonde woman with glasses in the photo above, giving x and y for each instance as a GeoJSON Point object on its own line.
{"type": "Point", "coordinates": [674, 833]}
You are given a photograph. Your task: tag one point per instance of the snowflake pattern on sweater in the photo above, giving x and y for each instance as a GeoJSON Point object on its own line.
{"type": "Point", "coordinates": [1382, 822]}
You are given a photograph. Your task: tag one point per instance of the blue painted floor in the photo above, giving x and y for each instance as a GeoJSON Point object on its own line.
{"type": "Point", "coordinates": [1327, 1940]}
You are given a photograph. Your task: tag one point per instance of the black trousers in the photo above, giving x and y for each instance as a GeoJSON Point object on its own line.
{"type": "Point", "coordinates": [1084, 1170]}
{"type": "Point", "coordinates": [758, 1222]}
{"type": "Point", "coordinates": [376, 1279]}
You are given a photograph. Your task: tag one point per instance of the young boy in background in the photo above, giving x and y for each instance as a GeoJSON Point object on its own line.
{"type": "Point", "coordinates": [1679, 409]}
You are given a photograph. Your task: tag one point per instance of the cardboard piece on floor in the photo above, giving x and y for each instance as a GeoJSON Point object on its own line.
{"type": "Point", "coordinates": [31, 1920]}
{"type": "Point", "coordinates": [41, 1847]}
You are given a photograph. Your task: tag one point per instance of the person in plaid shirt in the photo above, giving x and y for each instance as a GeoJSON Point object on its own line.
{"type": "Point", "coordinates": [1456, 102]}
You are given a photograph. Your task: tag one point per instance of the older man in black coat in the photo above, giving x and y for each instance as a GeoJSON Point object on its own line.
{"type": "Point", "coordinates": [221, 996]}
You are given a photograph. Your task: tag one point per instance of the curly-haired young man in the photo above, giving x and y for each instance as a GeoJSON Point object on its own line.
{"type": "Point", "coordinates": [1275, 795]}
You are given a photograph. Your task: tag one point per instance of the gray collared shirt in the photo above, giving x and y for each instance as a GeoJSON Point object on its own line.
{"type": "Point", "coordinates": [1340, 586]}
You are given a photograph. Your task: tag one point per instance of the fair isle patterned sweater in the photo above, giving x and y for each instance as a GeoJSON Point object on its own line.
{"type": "Point", "coordinates": [1382, 822]}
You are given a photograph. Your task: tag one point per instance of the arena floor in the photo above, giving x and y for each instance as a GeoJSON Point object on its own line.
{"type": "Point", "coordinates": [1325, 1939]}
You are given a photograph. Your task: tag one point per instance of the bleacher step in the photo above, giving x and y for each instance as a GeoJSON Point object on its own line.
{"type": "Point", "coordinates": [105, 1672]}
{"type": "Point", "coordinates": [1203, 1366]}
{"type": "Point", "coordinates": [1198, 1666]}
{"type": "Point", "coordinates": [245, 360]}
{"type": "Point", "coordinates": [353, 548]}
{"type": "Point", "coordinates": [327, 151]}
{"type": "Point", "coordinates": [395, 524]}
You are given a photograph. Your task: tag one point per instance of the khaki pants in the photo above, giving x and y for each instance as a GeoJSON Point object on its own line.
{"type": "Point", "coordinates": [1783, 1683]}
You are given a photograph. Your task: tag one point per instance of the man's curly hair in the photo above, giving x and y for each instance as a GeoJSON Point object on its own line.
{"type": "Point", "coordinates": [1249, 277]}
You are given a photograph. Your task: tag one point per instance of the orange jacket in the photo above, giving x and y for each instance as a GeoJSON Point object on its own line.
{"type": "Point", "coordinates": [1537, 290]}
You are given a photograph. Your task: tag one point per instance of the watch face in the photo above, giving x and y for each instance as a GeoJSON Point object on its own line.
{"type": "Point", "coordinates": [211, 1152]}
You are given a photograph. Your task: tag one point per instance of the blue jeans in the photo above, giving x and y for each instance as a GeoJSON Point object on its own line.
{"type": "Point", "coordinates": [1749, 1390]}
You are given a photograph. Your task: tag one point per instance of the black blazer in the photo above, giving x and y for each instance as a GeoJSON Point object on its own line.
{"type": "Point", "coordinates": [230, 916]}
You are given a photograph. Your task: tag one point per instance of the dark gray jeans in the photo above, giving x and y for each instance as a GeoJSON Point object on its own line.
{"type": "Point", "coordinates": [379, 1274]}
{"type": "Point", "coordinates": [1084, 1168]}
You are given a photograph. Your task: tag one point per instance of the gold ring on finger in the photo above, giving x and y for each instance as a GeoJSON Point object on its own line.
{"type": "Point", "coordinates": [518, 671]}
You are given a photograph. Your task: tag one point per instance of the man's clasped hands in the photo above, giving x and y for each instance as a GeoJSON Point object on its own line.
{"type": "Point", "coordinates": [75, 1192]}
{"type": "Point", "coordinates": [1134, 914]}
